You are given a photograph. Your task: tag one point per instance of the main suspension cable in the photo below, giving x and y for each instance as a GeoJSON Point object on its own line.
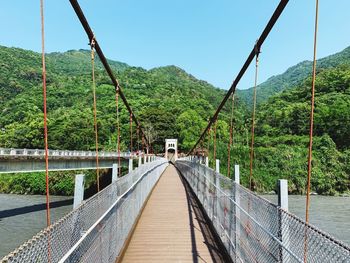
{"type": "Point", "coordinates": [90, 34]}
{"type": "Point", "coordinates": [262, 38]}
{"type": "Point", "coordinates": [253, 119]}
{"type": "Point", "coordinates": [92, 44]}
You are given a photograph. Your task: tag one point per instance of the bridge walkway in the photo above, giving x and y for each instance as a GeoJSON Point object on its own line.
{"type": "Point", "coordinates": [172, 228]}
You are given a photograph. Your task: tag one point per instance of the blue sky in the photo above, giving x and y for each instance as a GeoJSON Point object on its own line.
{"type": "Point", "coordinates": [209, 39]}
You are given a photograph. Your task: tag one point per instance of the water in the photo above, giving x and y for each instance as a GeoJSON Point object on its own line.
{"type": "Point", "coordinates": [331, 214]}
{"type": "Point", "coordinates": [327, 213]}
{"type": "Point", "coordinates": [20, 219]}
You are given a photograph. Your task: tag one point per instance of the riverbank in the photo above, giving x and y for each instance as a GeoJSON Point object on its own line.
{"type": "Point", "coordinates": [61, 183]}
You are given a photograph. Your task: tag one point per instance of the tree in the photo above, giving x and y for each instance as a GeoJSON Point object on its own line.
{"type": "Point", "coordinates": [189, 125]}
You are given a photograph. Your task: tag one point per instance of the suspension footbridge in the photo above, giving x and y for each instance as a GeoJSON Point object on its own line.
{"type": "Point", "coordinates": [169, 208]}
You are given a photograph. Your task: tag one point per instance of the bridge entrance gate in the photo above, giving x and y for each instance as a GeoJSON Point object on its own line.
{"type": "Point", "coordinates": [171, 149]}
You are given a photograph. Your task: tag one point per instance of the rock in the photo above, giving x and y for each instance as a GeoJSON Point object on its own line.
{"type": "Point", "coordinates": [313, 193]}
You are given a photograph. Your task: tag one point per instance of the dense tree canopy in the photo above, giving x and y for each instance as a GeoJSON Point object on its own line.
{"type": "Point", "coordinates": [171, 103]}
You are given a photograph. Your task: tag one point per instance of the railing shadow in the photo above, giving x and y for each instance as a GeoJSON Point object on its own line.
{"type": "Point", "coordinates": [33, 208]}
{"type": "Point", "coordinates": [216, 248]}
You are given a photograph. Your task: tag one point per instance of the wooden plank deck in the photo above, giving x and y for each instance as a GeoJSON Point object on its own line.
{"type": "Point", "coordinates": [171, 227]}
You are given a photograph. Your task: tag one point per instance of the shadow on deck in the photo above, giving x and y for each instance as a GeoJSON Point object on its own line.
{"type": "Point", "coordinates": [173, 227]}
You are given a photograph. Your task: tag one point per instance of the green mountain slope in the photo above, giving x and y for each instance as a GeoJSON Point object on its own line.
{"type": "Point", "coordinates": [293, 77]}
{"type": "Point", "coordinates": [172, 103]}
{"type": "Point", "coordinates": [283, 126]}
{"type": "Point", "coordinates": [77, 62]}
{"type": "Point", "coordinates": [21, 69]}
{"type": "Point", "coordinates": [158, 97]}
{"type": "Point", "coordinates": [288, 112]}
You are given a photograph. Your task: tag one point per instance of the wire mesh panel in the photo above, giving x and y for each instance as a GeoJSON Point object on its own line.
{"type": "Point", "coordinates": [98, 228]}
{"type": "Point", "coordinates": [252, 228]}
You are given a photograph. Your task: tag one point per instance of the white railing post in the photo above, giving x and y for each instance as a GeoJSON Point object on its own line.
{"type": "Point", "coordinates": [237, 212]}
{"type": "Point", "coordinates": [217, 190]}
{"type": "Point", "coordinates": [217, 166]}
{"type": "Point", "coordinates": [78, 190]}
{"type": "Point", "coordinates": [140, 161]}
{"type": "Point", "coordinates": [114, 172]}
{"type": "Point", "coordinates": [144, 158]}
{"type": "Point", "coordinates": [283, 194]}
{"type": "Point", "coordinates": [284, 229]}
{"type": "Point", "coordinates": [207, 161]}
{"type": "Point", "coordinates": [130, 165]}
{"type": "Point", "coordinates": [237, 176]}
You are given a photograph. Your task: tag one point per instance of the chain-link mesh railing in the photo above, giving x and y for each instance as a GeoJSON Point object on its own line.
{"type": "Point", "coordinates": [253, 229]}
{"type": "Point", "coordinates": [98, 228]}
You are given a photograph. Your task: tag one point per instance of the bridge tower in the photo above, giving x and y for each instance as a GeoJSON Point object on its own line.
{"type": "Point", "coordinates": [171, 144]}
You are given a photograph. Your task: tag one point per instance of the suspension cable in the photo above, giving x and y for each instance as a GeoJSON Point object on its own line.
{"type": "Point", "coordinates": [92, 44]}
{"type": "Point", "coordinates": [138, 138]}
{"type": "Point", "coordinates": [253, 119]}
{"type": "Point", "coordinates": [231, 138]}
{"type": "Point", "coordinates": [309, 163]}
{"type": "Point", "coordinates": [202, 150]}
{"type": "Point", "coordinates": [214, 146]}
{"type": "Point", "coordinates": [118, 131]}
{"type": "Point", "coordinates": [90, 34]}
{"type": "Point", "coordinates": [48, 217]}
{"type": "Point", "coordinates": [208, 138]}
{"type": "Point", "coordinates": [48, 222]}
{"type": "Point", "coordinates": [262, 38]}
{"type": "Point", "coordinates": [131, 134]}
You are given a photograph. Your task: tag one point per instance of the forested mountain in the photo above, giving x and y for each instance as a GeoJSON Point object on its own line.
{"type": "Point", "coordinates": [283, 129]}
{"type": "Point", "coordinates": [172, 103]}
{"type": "Point", "coordinates": [159, 97]}
{"type": "Point", "coordinates": [20, 69]}
{"type": "Point", "coordinates": [293, 77]}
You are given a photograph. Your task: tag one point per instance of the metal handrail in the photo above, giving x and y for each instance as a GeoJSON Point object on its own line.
{"type": "Point", "coordinates": [267, 224]}
{"type": "Point", "coordinates": [70, 237]}
{"type": "Point", "coordinates": [223, 193]}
